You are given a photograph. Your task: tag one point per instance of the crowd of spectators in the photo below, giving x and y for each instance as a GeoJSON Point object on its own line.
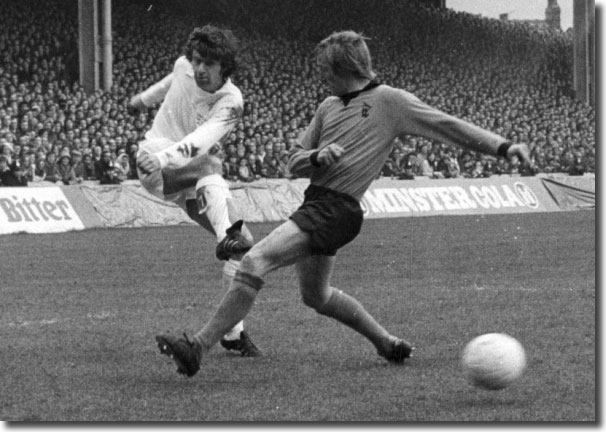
{"type": "Point", "coordinates": [511, 78]}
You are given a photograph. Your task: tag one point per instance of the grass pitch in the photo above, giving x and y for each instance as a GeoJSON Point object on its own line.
{"type": "Point", "coordinates": [80, 311]}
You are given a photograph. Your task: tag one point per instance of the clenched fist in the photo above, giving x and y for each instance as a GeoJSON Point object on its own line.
{"type": "Point", "coordinates": [148, 163]}
{"type": "Point", "coordinates": [521, 151]}
{"type": "Point", "coordinates": [330, 155]}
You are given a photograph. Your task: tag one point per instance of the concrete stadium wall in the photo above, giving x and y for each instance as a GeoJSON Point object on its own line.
{"type": "Point", "coordinates": [49, 208]}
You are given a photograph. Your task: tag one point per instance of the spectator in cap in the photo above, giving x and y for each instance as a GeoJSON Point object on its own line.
{"type": "Point", "coordinates": [66, 170]}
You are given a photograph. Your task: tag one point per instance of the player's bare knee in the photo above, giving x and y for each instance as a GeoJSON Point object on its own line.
{"type": "Point", "coordinates": [315, 299]}
{"type": "Point", "coordinates": [253, 262]}
{"type": "Point", "coordinates": [311, 301]}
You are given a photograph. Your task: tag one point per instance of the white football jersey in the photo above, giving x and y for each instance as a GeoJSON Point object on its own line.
{"type": "Point", "coordinates": [189, 117]}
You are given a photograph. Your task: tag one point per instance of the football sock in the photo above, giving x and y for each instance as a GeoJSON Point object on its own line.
{"type": "Point", "coordinates": [350, 312]}
{"type": "Point", "coordinates": [233, 308]}
{"type": "Point", "coordinates": [229, 271]}
{"type": "Point", "coordinates": [215, 193]}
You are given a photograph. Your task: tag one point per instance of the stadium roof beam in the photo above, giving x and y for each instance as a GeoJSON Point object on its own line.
{"type": "Point", "coordinates": [95, 44]}
{"type": "Point", "coordinates": [584, 50]}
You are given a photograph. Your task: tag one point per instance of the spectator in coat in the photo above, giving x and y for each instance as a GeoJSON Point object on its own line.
{"type": "Point", "coordinates": [577, 167]}
{"type": "Point", "coordinates": [230, 168]}
{"type": "Point", "coordinates": [244, 172]}
{"type": "Point", "coordinates": [255, 166]}
{"type": "Point", "coordinates": [122, 167]}
{"type": "Point", "coordinates": [65, 168]}
{"type": "Point", "coordinates": [52, 170]}
{"type": "Point", "coordinates": [26, 166]}
{"type": "Point", "coordinates": [389, 169]}
{"type": "Point", "coordinates": [89, 167]}
{"type": "Point", "coordinates": [78, 166]}
{"type": "Point", "coordinates": [40, 170]}
{"type": "Point", "coordinates": [272, 168]}
{"type": "Point", "coordinates": [449, 166]}
{"type": "Point", "coordinates": [9, 177]}
{"type": "Point", "coordinates": [106, 169]}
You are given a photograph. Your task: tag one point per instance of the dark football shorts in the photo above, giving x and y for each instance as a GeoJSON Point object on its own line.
{"type": "Point", "coordinates": [332, 218]}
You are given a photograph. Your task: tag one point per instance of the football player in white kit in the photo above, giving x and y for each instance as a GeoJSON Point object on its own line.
{"type": "Point", "coordinates": [199, 108]}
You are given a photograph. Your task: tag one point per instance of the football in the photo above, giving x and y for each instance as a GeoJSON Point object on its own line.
{"type": "Point", "coordinates": [493, 361]}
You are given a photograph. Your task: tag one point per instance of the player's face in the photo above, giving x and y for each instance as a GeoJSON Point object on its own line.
{"type": "Point", "coordinates": [207, 73]}
{"type": "Point", "coordinates": [333, 81]}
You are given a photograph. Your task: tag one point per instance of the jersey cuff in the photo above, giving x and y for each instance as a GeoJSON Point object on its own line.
{"type": "Point", "coordinates": [503, 148]}
{"type": "Point", "coordinates": [313, 159]}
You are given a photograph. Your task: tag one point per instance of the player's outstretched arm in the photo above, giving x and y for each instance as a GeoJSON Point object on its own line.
{"type": "Point", "coordinates": [151, 96]}
{"type": "Point", "coordinates": [135, 105]}
{"type": "Point", "coordinates": [417, 118]}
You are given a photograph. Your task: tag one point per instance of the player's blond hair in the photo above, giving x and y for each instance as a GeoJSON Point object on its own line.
{"type": "Point", "coordinates": [346, 53]}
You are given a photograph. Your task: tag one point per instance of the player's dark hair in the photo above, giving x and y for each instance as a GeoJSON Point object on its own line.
{"type": "Point", "coordinates": [215, 43]}
{"type": "Point", "coordinates": [346, 53]}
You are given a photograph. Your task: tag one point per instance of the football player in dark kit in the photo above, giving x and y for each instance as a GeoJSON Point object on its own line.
{"type": "Point", "coordinates": [342, 151]}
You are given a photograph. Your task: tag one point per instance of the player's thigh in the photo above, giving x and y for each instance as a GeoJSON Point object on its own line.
{"type": "Point", "coordinates": [201, 165]}
{"type": "Point", "coordinates": [314, 274]}
{"type": "Point", "coordinates": [204, 165]}
{"type": "Point", "coordinates": [183, 177]}
{"type": "Point", "coordinates": [284, 246]}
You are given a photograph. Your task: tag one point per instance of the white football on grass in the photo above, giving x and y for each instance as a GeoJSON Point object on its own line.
{"type": "Point", "coordinates": [493, 361]}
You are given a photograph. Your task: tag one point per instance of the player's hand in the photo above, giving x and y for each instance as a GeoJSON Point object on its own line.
{"type": "Point", "coordinates": [522, 152]}
{"type": "Point", "coordinates": [330, 154]}
{"type": "Point", "coordinates": [148, 163]}
{"type": "Point", "coordinates": [135, 105]}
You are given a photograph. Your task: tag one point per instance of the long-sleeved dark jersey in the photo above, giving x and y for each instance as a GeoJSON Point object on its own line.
{"type": "Point", "coordinates": [366, 126]}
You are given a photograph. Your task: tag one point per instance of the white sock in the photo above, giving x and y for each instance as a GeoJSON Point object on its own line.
{"type": "Point", "coordinates": [229, 271]}
{"type": "Point", "coordinates": [216, 193]}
